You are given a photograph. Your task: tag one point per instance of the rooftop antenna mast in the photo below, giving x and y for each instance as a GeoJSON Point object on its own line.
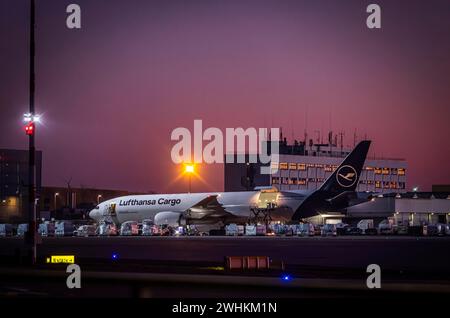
{"type": "Point", "coordinates": [330, 133]}
{"type": "Point", "coordinates": [292, 131]}
{"type": "Point", "coordinates": [341, 135]}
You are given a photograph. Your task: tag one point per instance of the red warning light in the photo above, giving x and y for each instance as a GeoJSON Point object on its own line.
{"type": "Point", "coordinates": [29, 129]}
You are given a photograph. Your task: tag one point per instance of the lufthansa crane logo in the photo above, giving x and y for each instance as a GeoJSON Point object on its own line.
{"type": "Point", "coordinates": [346, 176]}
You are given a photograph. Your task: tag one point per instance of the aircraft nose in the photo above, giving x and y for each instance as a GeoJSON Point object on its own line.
{"type": "Point", "coordinates": [93, 214]}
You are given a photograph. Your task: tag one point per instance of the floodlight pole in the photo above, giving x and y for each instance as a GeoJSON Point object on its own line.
{"type": "Point", "coordinates": [31, 148]}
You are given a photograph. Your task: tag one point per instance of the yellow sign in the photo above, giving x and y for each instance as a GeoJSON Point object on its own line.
{"type": "Point", "coordinates": [57, 259]}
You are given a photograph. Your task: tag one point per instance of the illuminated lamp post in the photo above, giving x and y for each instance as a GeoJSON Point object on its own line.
{"type": "Point", "coordinates": [189, 169]}
{"type": "Point", "coordinates": [56, 195]}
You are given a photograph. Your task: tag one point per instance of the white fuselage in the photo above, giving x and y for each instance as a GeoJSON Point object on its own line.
{"type": "Point", "coordinates": [237, 204]}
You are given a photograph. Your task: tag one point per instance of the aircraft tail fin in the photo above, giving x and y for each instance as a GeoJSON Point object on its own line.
{"type": "Point", "coordinates": [346, 176]}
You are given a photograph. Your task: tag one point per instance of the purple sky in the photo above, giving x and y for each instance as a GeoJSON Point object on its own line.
{"type": "Point", "coordinates": [112, 92]}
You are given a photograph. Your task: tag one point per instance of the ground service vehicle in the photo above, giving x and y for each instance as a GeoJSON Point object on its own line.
{"type": "Point", "coordinates": [351, 230]}
{"type": "Point", "coordinates": [385, 227]}
{"type": "Point", "coordinates": [340, 228]}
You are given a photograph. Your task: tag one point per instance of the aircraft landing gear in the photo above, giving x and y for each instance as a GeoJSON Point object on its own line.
{"type": "Point", "coordinates": [262, 215]}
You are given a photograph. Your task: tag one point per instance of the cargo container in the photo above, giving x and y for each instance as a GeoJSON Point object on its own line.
{"type": "Point", "coordinates": [86, 230]}
{"type": "Point", "coordinates": [64, 228]}
{"type": "Point", "coordinates": [46, 229]}
{"type": "Point", "coordinates": [250, 230]}
{"type": "Point", "coordinates": [179, 231]}
{"type": "Point", "coordinates": [278, 229]}
{"type": "Point", "coordinates": [261, 230]}
{"type": "Point", "coordinates": [364, 225]}
{"type": "Point", "coordinates": [22, 229]}
{"type": "Point", "coordinates": [107, 229]}
{"type": "Point", "coordinates": [231, 230]}
{"type": "Point", "coordinates": [6, 230]}
{"type": "Point", "coordinates": [328, 230]}
{"type": "Point", "coordinates": [129, 228]}
{"type": "Point", "coordinates": [147, 229]}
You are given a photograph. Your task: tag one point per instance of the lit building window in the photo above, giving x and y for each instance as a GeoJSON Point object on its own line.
{"type": "Point", "coordinates": [401, 171]}
{"type": "Point", "coordinates": [319, 166]}
{"type": "Point", "coordinates": [275, 180]}
{"type": "Point", "coordinates": [292, 166]}
{"type": "Point", "coordinates": [285, 180]}
{"type": "Point", "coordinates": [283, 166]}
{"type": "Point", "coordinates": [328, 168]}
{"type": "Point", "coordinates": [301, 166]}
{"type": "Point", "coordinates": [377, 184]}
{"type": "Point", "coordinates": [310, 165]}
{"type": "Point", "coordinates": [311, 180]}
{"type": "Point", "coordinates": [302, 181]}
{"type": "Point", "coordinates": [385, 170]}
{"type": "Point", "coordinates": [274, 165]}
{"type": "Point", "coordinates": [293, 181]}
{"type": "Point", "coordinates": [369, 168]}
{"type": "Point", "coordinates": [378, 171]}
{"type": "Point", "coordinates": [386, 185]}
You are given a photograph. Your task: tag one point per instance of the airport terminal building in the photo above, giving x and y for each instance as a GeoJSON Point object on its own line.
{"type": "Point", "coordinates": [302, 167]}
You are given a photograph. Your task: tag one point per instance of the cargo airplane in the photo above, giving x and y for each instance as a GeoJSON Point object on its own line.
{"type": "Point", "coordinates": [335, 194]}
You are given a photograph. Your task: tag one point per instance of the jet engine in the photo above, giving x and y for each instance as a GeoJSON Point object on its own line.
{"type": "Point", "coordinates": [170, 218]}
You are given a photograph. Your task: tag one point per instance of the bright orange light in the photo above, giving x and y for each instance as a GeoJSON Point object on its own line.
{"type": "Point", "coordinates": [189, 168]}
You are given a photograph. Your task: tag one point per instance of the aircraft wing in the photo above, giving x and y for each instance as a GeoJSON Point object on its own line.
{"type": "Point", "coordinates": [342, 198]}
{"type": "Point", "coordinates": [208, 207]}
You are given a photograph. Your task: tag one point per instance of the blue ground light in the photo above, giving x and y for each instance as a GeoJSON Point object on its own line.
{"type": "Point", "coordinates": [286, 278]}
{"type": "Point", "coordinates": [115, 256]}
